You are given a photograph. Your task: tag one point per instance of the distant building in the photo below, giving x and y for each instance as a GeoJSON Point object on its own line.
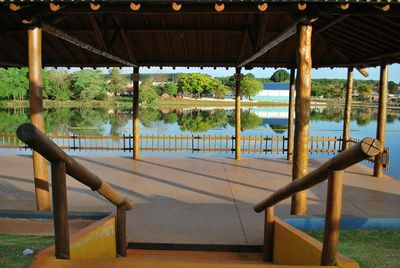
{"type": "Point", "coordinates": [273, 92]}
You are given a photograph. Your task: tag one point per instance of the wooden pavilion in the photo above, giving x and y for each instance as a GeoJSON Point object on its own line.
{"type": "Point", "coordinates": [244, 34]}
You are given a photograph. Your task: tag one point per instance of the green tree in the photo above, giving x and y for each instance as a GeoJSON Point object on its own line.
{"type": "Point", "coordinates": [14, 83]}
{"type": "Point", "coordinates": [196, 84]}
{"type": "Point", "coordinates": [116, 81]}
{"type": "Point", "coordinates": [170, 118]}
{"type": "Point", "coordinates": [220, 90]}
{"type": "Point", "coordinates": [248, 120]}
{"type": "Point", "coordinates": [365, 91]}
{"type": "Point", "coordinates": [148, 92]}
{"type": "Point", "coordinates": [393, 87]}
{"type": "Point", "coordinates": [280, 75]}
{"type": "Point", "coordinates": [88, 85]}
{"type": "Point", "coordinates": [201, 121]}
{"type": "Point", "coordinates": [56, 85]}
{"type": "Point", "coordinates": [170, 88]}
{"type": "Point", "coordinates": [250, 86]}
{"type": "Point", "coordinates": [148, 116]}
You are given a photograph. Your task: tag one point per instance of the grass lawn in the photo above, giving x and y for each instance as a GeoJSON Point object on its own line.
{"type": "Point", "coordinates": [369, 248]}
{"type": "Point", "coordinates": [11, 247]}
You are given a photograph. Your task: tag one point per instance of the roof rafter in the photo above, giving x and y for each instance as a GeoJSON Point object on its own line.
{"type": "Point", "coordinates": [290, 31]}
{"type": "Point", "coordinates": [99, 34]}
{"type": "Point", "coordinates": [73, 40]}
{"type": "Point", "coordinates": [125, 39]}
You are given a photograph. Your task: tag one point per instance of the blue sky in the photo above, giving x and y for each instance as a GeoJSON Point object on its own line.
{"type": "Point", "coordinates": [394, 72]}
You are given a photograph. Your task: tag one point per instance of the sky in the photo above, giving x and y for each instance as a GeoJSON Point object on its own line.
{"type": "Point", "coordinates": [341, 73]}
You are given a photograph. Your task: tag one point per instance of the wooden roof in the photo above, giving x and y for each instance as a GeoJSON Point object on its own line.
{"type": "Point", "coordinates": [197, 35]}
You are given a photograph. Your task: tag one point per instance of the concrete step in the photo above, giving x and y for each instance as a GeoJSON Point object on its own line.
{"type": "Point", "coordinates": [139, 258]}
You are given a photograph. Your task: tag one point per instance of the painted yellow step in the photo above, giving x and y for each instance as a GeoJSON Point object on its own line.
{"type": "Point", "coordinates": [166, 258]}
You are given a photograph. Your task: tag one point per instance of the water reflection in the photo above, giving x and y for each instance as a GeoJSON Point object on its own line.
{"type": "Point", "coordinates": [271, 121]}
{"type": "Point", "coordinates": [117, 122]}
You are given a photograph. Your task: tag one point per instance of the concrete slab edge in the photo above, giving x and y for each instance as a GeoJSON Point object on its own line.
{"type": "Point", "coordinates": [47, 215]}
{"type": "Point", "coordinates": [346, 223]}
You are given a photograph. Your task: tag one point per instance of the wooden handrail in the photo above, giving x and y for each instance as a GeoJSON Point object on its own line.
{"type": "Point", "coordinates": [333, 171]}
{"type": "Point", "coordinates": [366, 148]}
{"type": "Point", "coordinates": [39, 142]}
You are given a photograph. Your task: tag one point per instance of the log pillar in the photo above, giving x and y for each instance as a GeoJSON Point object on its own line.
{"type": "Point", "coordinates": [237, 114]}
{"type": "Point", "coordinates": [332, 217]}
{"type": "Point", "coordinates": [381, 126]}
{"type": "Point", "coordinates": [135, 110]}
{"type": "Point", "coordinates": [291, 116]}
{"type": "Point", "coordinates": [302, 120]}
{"type": "Point", "coordinates": [40, 169]}
{"type": "Point", "coordinates": [347, 109]}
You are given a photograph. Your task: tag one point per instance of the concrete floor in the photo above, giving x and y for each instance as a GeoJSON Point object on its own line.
{"type": "Point", "coordinates": [198, 200]}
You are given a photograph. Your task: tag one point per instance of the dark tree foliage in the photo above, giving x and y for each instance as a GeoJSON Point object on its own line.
{"type": "Point", "coordinates": [280, 75]}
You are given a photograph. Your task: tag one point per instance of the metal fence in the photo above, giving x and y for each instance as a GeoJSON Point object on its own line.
{"type": "Point", "coordinates": [186, 143]}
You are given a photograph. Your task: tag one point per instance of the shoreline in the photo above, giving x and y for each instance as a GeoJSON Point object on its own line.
{"type": "Point", "coordinates": [126, 102]}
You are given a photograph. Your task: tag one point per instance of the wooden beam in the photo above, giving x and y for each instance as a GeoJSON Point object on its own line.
{"type": "Point", "coordinates": [60, 210]}
{"type": "Point", "coordinates": [37, 118]}
{"type": "Point", "coordinates": [135, 112]}
{"type": "Point", "coordinates": [339, 51]}
{"type": "Point", "coordinates": [290, 31]}
{"type": "Point", "coordinates": [262, 29]}
{"type": "Point", "coordinates": [73, 40]}
{"type": "Point", "coordinates": [332, 23]}
{"type": "Point", "coordinates": [332, 217]}
{"type": "Point", "coordinates": [122, 32]}
{"type": "Point", "coordinates": [11, 64]}
{"type": "Point", "coordinates": [291, 115]}
{"type": "Point", "coordinates": [98, 32]}
{"type": "Point", "coordinates": [234, 8]}
{"type": "Point", "coordinates": [302, 119]}
{"type": "Point", "coordinates": [347, 109]}
{"type": "Point", "coordinates": [381, 124]}
{"type": "Point", "coordinates": [238, 110]}
{"type": "Point", "coordinates": [269, 233]}
{"type": "Point", "coordinates": [245, 37]}
{"type": "Point", "coordinates": [170, 46]}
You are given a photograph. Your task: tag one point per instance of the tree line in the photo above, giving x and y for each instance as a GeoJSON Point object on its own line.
{"type": "Point", "coordinates": [88, 84]}
{"type": "Point", "coordinates": [61, 85]}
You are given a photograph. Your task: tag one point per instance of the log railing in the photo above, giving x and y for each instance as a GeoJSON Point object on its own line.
{"type": "Point", "coordinates": [62, 164]}
{"type": "Point", "coordinates": [333, 171]}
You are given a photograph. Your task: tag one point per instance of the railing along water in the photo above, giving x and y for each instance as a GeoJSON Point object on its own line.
{"type": "Point", "coordinates": [188, 143]}
{"type": "Point", "coordinates": [333, 171]}
{"type": "Point", "coordinates": [62, 164]}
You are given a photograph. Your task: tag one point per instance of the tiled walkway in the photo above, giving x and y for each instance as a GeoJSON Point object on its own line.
{"type": "Point", "coordinates": [198, 200]}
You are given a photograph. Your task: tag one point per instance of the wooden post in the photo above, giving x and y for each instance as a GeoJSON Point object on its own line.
{"type": "Point", "coordinates": [302, 120]}
{"type": "Point", "coordinates": [332, 217]}
{"type": "Point", "coordinates": [237, 114]}
{"type": "Point", "coordinates": [291, 116]}
{"type": "Point", "coordinates": [347, 109]}
{"type": "Point", "coordinates": [40, 170]}
{"type": "Point", "coordinates": [121, 231]}
{"type": "Point", "coordinates": [381, 126]}
{"type": "Point", "coordinates": [268, 247]}
{"type": "Point", "coordinates": [60, 210]}
{"type": "Point", "coordinates": [135, 109]}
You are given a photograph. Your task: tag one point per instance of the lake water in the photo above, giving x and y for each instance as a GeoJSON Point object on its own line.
{"type": "Point", "coordinates": [270, 121]}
